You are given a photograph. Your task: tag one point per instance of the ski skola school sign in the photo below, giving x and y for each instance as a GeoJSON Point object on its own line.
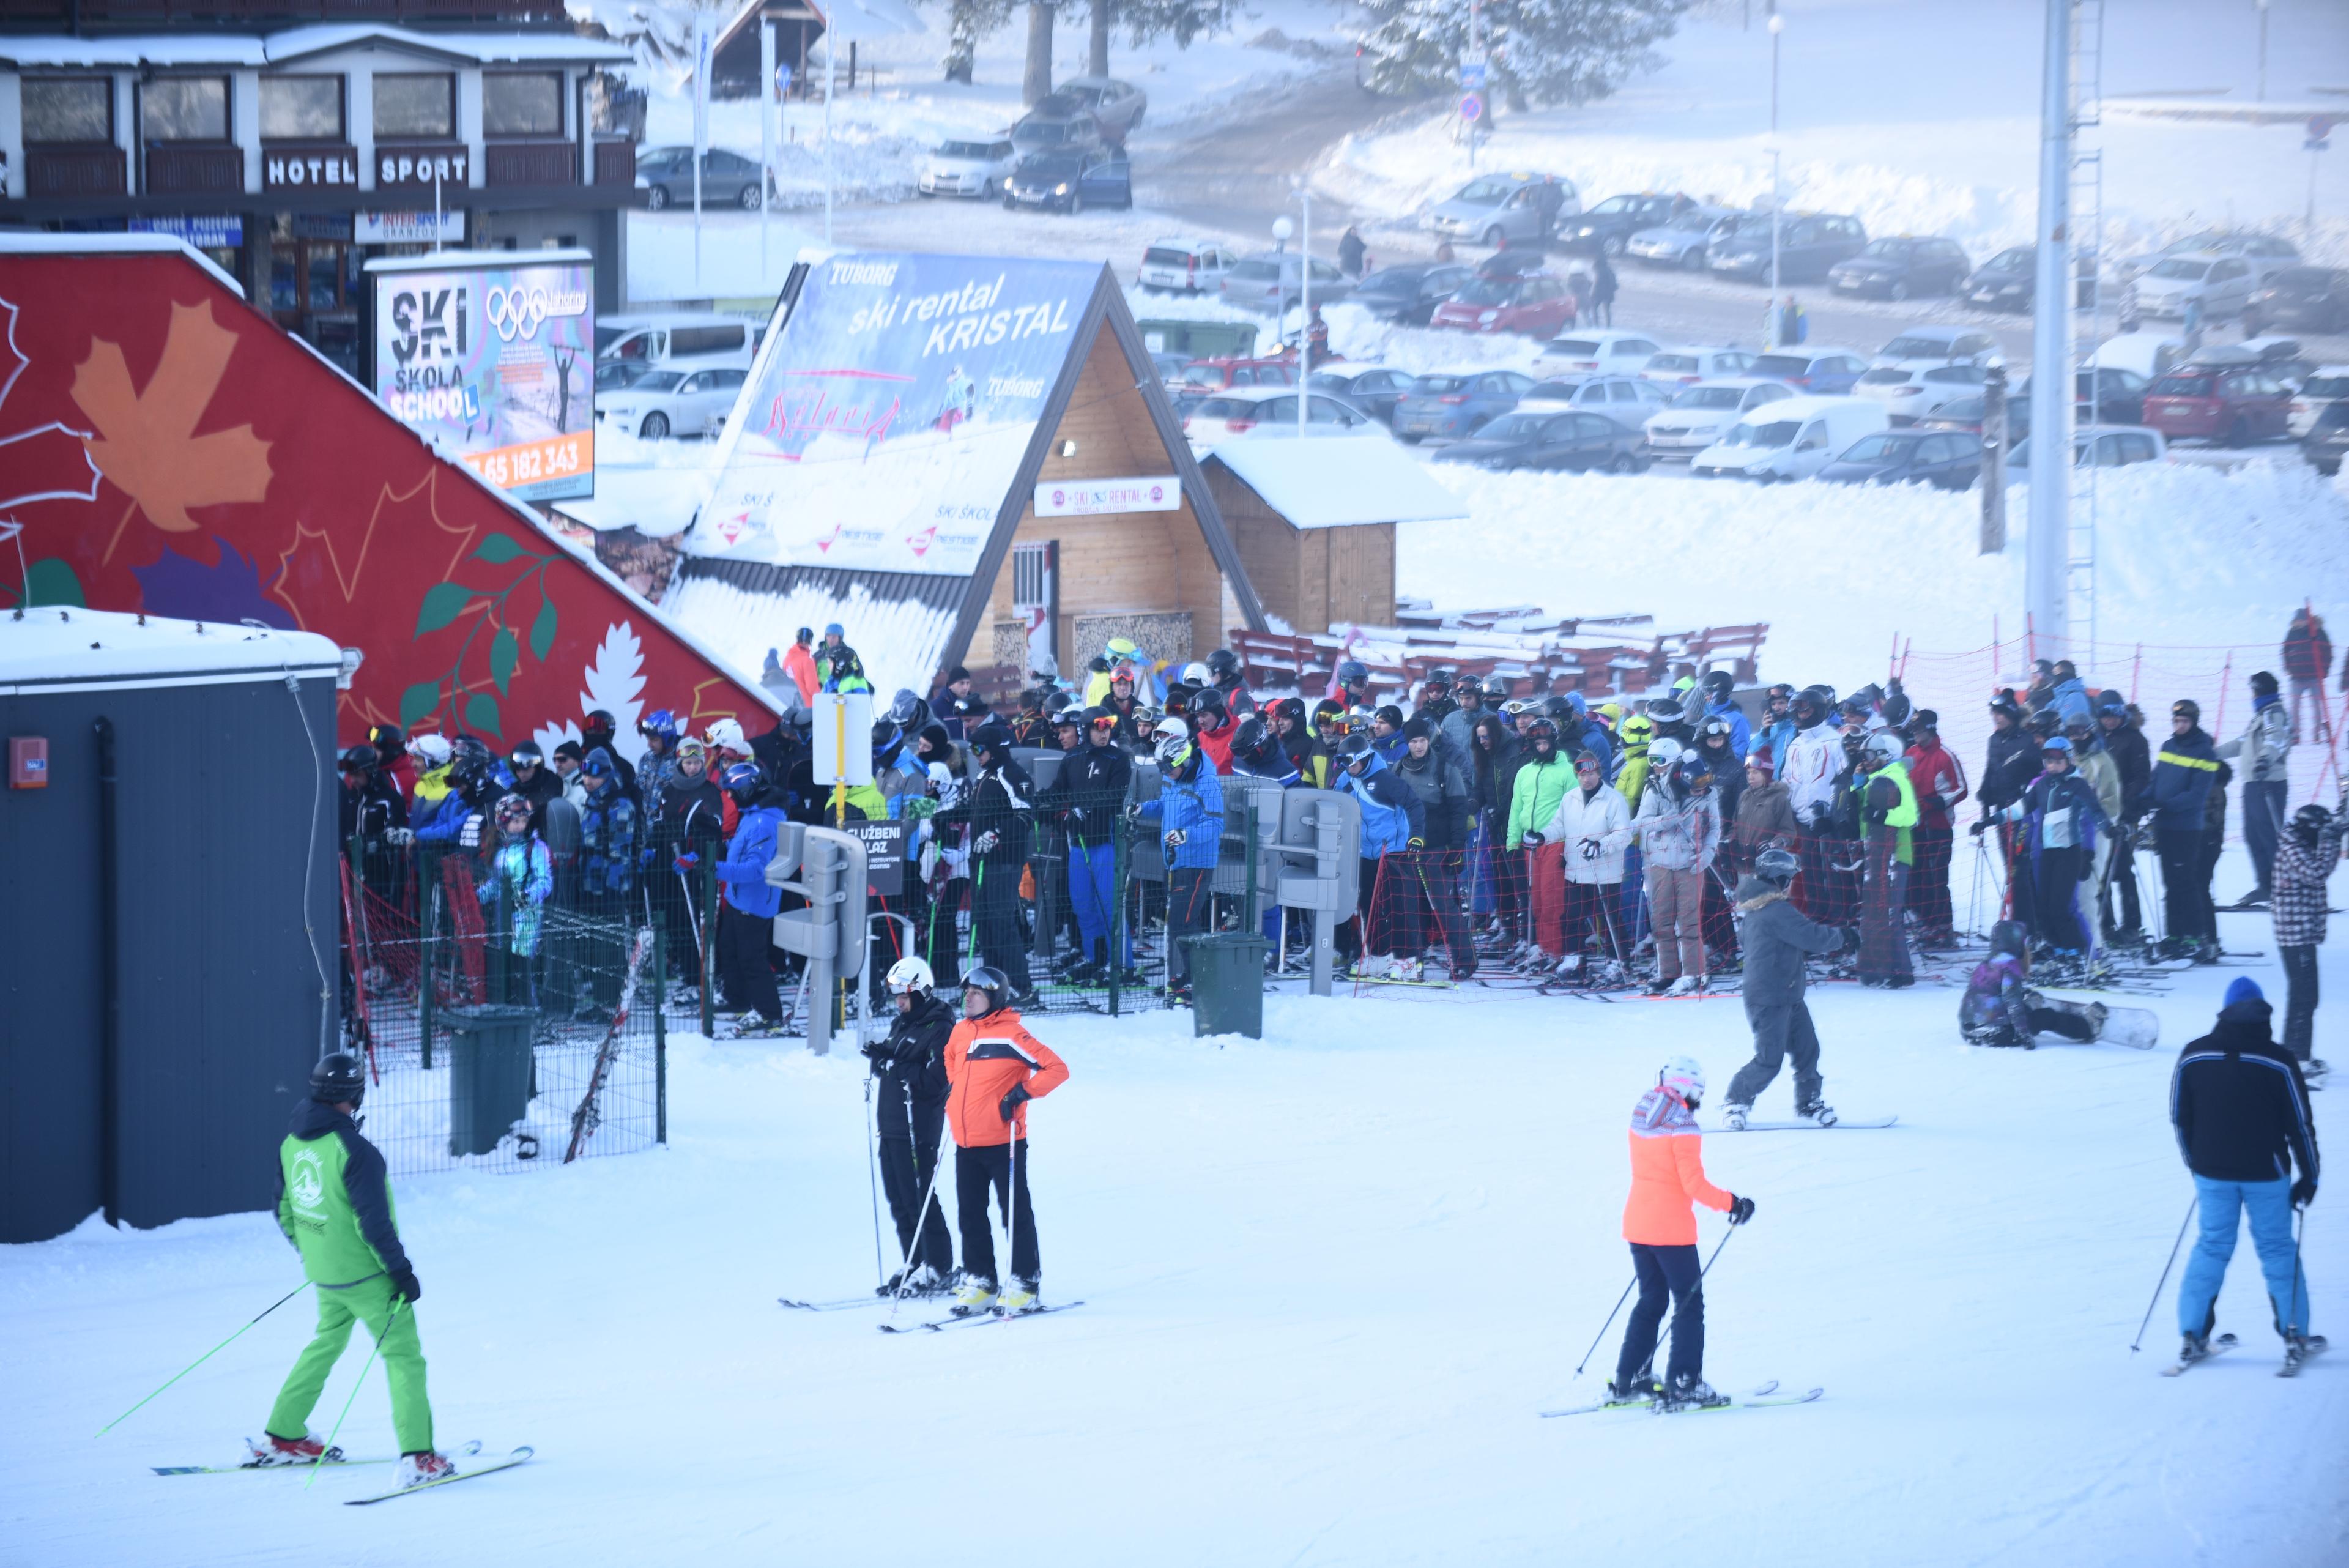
{"type": "Point", "coordinates": [884, 424]}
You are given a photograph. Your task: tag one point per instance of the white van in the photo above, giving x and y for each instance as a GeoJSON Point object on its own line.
{"type": "Point", "coordinates": [681, 340]}
{"type": "Point", "coordinates": [1791, 439]}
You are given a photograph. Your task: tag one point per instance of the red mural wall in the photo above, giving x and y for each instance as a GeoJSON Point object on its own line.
{"type": "Point", "coordinates": [165, 448]}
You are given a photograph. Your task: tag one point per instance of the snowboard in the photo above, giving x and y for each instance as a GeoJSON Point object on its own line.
{"type": "Point", "coordinates": [2138, 1027]}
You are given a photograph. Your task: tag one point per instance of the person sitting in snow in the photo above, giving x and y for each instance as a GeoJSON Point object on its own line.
{"type": "Point", "coordinates": [2001, 1009]}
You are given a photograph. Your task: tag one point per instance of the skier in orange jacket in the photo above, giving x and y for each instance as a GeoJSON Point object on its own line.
{"type": "Point", "coordinates": [994, 1067]}
{"type": "Point", "coordinates": [1667, 1176]}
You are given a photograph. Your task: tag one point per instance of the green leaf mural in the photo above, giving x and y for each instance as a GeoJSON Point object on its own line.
{"type": "Point", "coordinates": [417, 701]}
{"type": "Point", "coordinates": [443, 602]}
{"type": "Point", "coordinates": [482, 714]}
{"type": "Point", "coordinates": [497, 550]}
{"type": "Point", "coordinates": [504, 654]}
{"type": "Point", "coordinates": [541, 629]}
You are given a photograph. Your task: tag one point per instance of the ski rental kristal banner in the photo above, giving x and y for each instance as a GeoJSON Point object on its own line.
{"type": "Point", "coordinates": [882, 428]}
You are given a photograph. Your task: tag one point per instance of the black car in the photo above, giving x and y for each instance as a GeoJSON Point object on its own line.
{"type": "Point", "coordinates": [665, 174]}
{"type": "Point", "coordinates": [1965, 415]}
{"type": "Point", "coordinates": [1410, 294]}
{"type": "Point", "coordinates": [2304, 299]}
{"type": "Point", "coordinates": [1071, 182]}
{"type": "Point", "coordinates": [1950, 460]}
{"type": "Point", "coordinates": [1810, 245]}
{"type": "Point", "coordinates": [2328, 438]}
{"type": "Point", "coordinates": [1551, 438]}
{"type": "Point", "coordinates": [1609, 225]}
{"type": "Point", "coordinates": [1899, 267]}
{"type": "Point", "coordinates": [2008, 281]}
{"type": "Point", "coordinates": [1372, 387]}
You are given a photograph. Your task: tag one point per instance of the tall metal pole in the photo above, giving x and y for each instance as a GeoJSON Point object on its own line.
{"type": "Point", "coordinates": [831, 79]}
{"type": "Point", "coordinates": [766, 95]}
{"type": "Point", "coordinates": [1305, 304]}
{"type": "Point", "coordinates": [2048, 534]}
{"type": "Point", "coordinates": [1775, 315]}
{"type": "Point", "coordinates": [2264, 51]}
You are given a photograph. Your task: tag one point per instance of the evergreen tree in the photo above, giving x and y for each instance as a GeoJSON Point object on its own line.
{"type": "Point", "coordinates": [1539, 51]}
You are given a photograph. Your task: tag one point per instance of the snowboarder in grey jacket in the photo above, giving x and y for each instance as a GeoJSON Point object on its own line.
{"type": "Point", "coordinates": [2263, 753]}
{"type": "Point", "coordinates": [1775, 936]}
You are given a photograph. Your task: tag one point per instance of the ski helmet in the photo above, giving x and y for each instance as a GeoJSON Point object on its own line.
{"type": "Point", "coordinates": [1883, 749]}
{"type": "Point", "coordinates": [387, 739]}
{"type": "Point", "coordinates": [692, 759]}
{"type": "Point", "coordinates": [512, 814]}
{"type": "Point", "coordinates": [1663, 754]}
{"type": "Point", "coordinates": [1196, 674]}
{"type": "Point", "coordinates": [2308, 824]}
{"type": "Point", "coordinates": [2004, 704]}
{"type": "Point", "coordinates": [361, 758]}
{"type": "Point", "coordinates": [908, 975]}
{"type": "Point", "coordinates": [338, 1079]}
{"type": "Point", "coordinates": [1692, 774]}
{"type": "Point", "coordinates": [1223, 664]}
{"type": "Point", "coordinates": [1253, 739]}
{"type": "Point", "coordinates": [743, 781]}
{"type": "Point", "coordinates": [2185, 708]}
{"type": "Point", "coordinates": [659, 724]}
{"type": "Point", "coordinates": [1056, 700]}
{"type": "Point", "coordinates": [991, 980]}
{"type": "Point", "coordinates": [2055, 746]}
{"type": "Point", "coordinates": [726, 735]}
{"type": "Point", "coordinates": [2010, 936]}
{"type": "Point", "coordinates": [1355, 754]}
{"type": "Point", "coordinates": [885, 736]}
{"type": "Point", "coordinates": [1209, 704]}
{"type": "Point", "coordinates": [1718, 685]}
{"type": "Point", "coordinates": [525, 754]}
{"type": "Point", "coordinates": [1437, 680]}
{"type": "Point", "coordinates": [992, 740]}
{"type": "Point", "coordinates": [1353, 672]}
{"type": "Point", "coordinates": [1540, 732]}
{"type": "Point", "coordinates": [1170, 742]}
{"type": "Point", "coordinates": [468, 762]}
{"type": "Point", "coordinates": [1683, 1078]}
{"type": "Point", "coordinates": [431, 750]}
{"type": "Point", "coordinates": [1071, 717]}
{"type": "Point", "coordinates": [1664, 711]}
{"type": "Point", "coordinates": [1776, 866]}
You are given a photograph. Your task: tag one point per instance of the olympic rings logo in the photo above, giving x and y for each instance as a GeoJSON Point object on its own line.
{"type": "Point", "coordinates": [520, 312]}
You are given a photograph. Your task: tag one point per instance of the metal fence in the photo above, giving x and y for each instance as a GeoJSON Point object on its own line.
{"type": "Point", "coordinates": [495, 1044]}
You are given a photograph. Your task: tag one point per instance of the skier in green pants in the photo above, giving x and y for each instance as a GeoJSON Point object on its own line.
{"type": "Point", "coordinates": [334, 1206]}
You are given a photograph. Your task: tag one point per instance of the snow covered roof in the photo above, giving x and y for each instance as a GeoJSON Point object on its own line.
{"type": "Point", "coordinates": [298, 43]}
{"type": "Point", "coordinates": [54, 647]}
{"type": "Point", "coordinates": [1337, 483]}
{"type": "Point", "coordinates": [898, 622]}
{"type": "Point", "coordinates": [657, 502]}
{"type": "Point", "coordinates": [83, 244]}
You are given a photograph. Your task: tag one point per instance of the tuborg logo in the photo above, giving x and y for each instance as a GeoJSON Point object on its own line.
{"type": "Point", "coordinates": [308, 1187]}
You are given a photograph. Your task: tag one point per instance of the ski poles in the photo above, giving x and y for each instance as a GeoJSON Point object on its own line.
{"type": "Point", "coordinates": [2190, 1205]}
{"type": "Point", "coordinates": [1604, 1326]}
{"type": "Point", "coordinates": [397, 1302]}
{"type": "Point", "coordinates": [1010, 1209]}
{"type": "Point", "coordinates": [914, 1249]}
{"type": "Point", "coordinates": [207, 1356]}
{"type": "Point", "coordinates": [2292, 1329]}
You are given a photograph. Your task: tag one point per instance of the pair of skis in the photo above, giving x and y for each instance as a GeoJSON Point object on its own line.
{"type": "Point", "coordinates": [1766, 1398]}
{"type": "Point", "coordinates": [509, 1462]}
{"type": "Point", "coordinates": [2296, 1356]}
{"type": "Point", "coordinates": [935, 1325]}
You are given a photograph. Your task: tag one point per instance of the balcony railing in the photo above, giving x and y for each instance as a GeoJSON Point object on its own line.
{"type": "Point", "coordinates": [531, 163]}
{"type": "Point", "coordinates": [173, 170]}
{"type": "Point", "coordinates": [63, 173]}
{"type": "Point", "coordinates": [616, 163]}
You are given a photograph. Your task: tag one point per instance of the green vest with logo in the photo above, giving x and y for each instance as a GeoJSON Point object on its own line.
{"type": "Point", "coordinates": [1902, 818]}
{"type": "Point", "coordinates": [316, 1210]}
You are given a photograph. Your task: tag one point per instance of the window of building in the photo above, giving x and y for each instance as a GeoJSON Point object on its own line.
{"type": "Point", "coordinates": [417, 106]}
{"type": "Point", "coordinates": [184, 109]}
{"type": "Point", "coordinates": [301, 109]}
{"type": "Point", "coordinates": [521, 103]}
{"type": "Point", "coordinates": [68, 109]}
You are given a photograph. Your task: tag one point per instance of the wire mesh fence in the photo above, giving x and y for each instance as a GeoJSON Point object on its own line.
{"type": "Point", "coordinates": [498, 1032]}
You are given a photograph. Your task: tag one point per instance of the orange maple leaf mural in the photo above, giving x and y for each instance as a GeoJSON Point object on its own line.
{"type": "Point", "coordinates": [146, 446]}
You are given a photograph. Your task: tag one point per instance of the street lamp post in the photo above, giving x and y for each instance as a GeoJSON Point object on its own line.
{"type": "Point", "coordinates": [1777, 193]}
{"type": "Point", "coordinates": [1304, 293]}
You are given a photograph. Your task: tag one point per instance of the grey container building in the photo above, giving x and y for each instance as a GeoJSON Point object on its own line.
{"type": "Point", "coordinates": [167, 965]}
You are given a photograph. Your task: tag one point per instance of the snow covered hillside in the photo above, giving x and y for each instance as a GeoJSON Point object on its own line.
{"type": "Point", "coordinates": [1329, 1278]}
{"type": "Point", "coordinates": [1922, 117]}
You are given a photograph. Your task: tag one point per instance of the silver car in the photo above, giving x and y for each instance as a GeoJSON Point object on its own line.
{"type": "Point", "coordinates": [1116, 106]}
{"type": "Point", "coordinates": [1055, 128]}
{"type": "Point", "coordinates": [1687, 240]}
{"type": "Point", "coordinates": [969, 167]}
{"type": "Point", "coordinates": [1521, 208]}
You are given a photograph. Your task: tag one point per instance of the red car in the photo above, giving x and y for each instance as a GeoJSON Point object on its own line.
{"type": "Point", "coordinates": [2236, 406]}
{"type": "Point", "coordinates": [1539, 303]}
{"type": "Point", "coordinates": [1224, 375]}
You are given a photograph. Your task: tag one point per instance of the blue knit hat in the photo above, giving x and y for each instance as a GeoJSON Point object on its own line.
{"type": "Point", "coordinates": [2244, 989]}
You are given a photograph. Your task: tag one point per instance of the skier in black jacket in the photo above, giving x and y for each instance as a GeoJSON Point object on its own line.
{"type": "Point", "coordinates": [911, 1065]}
{"type": "Point", "coordinates": [1000, 810]}
{"type": "Point", "coordinates": [1086, 798]}
{"type": "Point", "coordinates": [2241, 1108]}
{"type": "Point", "coordinates": [2124, 743]}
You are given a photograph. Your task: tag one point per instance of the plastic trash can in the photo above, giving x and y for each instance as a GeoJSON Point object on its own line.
{"type": "Point", "coordinates": [1227, 983]}
{"type": "Point", "coordinates": [489, 1073]}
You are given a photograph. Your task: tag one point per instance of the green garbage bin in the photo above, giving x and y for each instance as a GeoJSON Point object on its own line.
{"type": "Point", "coordinates": [1227, 983]}
{"type": "Point", "coordinates": [489, 1073]}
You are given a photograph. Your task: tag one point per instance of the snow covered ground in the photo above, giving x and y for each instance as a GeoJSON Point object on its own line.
{"type": "Point", "coordinates": [1329, 1277]}
{"type": "Point", "coordinates": [1922, 117]}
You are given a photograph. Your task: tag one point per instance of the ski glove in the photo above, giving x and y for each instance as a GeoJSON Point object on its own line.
{"type": "Point", "coordinates": [987, 842]}
{"type": "Point", "coordinates": [2304, 1192]}
{"type": "Point", "coordinates": [1590, 849]}
{"type": "Point", "coordinates": [687, 861]}
{"type": "Point", "coordinates": [1175, 835]}
{"type": "Point", "coordinates": [1531, 840]}
{"type": "Point", "coordinates": [1417, 844]}
{"type": "Point", "coordinates": [1741, 1210]}
{"type": "Point", "coordinates": [1979, 829]}
{"type": "Point", "coordinates": [403, 1285]}
{"type": "Point", "coordinates": [399, 837]}
{"type": "Point", "coordinates": [1018, 1098]}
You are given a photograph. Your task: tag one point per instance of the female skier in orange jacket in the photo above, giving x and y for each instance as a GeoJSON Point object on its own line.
{"type": "Point", "coordinates": [994, 1067]}
{"type": "Point", "coordinates": [1667, 1174]}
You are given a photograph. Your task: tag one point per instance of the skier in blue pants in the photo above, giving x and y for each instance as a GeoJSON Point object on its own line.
{"type": "Point", "coordinates": [1088, 796]}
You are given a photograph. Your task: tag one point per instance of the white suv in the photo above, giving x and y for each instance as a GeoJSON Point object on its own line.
{"type": "Point", "coordinates": [1187, 266]}
{"type": "Point", "coordinates": [1695, 418]}
{"type": "Point", "coordinates": [1909, 394]}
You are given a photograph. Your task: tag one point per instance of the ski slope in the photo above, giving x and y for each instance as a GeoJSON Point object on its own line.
{"type": "Point", "coordinates": [1330, 1278]}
